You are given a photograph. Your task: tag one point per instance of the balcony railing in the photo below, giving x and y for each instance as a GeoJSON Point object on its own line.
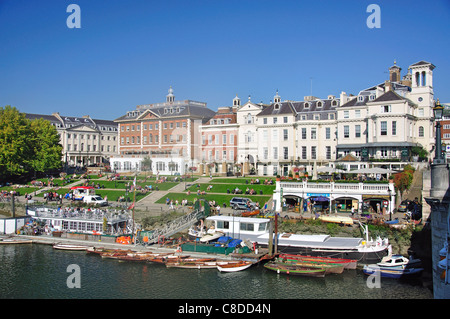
{"type": "Point", "coordinates": [332, 187]}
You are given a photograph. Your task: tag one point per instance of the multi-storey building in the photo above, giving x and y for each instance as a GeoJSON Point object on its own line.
{"type": "Point", "coordinates": [387, 120]}
{"type": "Point", "coordinates": [219, 141]}
{"type": "Point", "coordinates": [168, 133]}
{"type": "Point", "coordinates": [383, 122]}
{"type": "Point", "coordinates": [296, 134]}
{"type": "Point", "coordinates": [85, 141]}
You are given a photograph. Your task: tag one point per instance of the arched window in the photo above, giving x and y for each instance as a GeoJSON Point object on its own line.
{"type": "Point", "coordinates": [424, 82]}
{"type": "Point", "coordinates": [421, 131]}
{"type": "Point", "coordinates": [249, 137]}
{"type": "Point", "coordinates": [417, 79]}
{"type": "Point", "coordinates": [249, 118]}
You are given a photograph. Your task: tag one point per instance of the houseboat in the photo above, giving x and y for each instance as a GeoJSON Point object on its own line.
{"type": "Point", "coordinates": [88, 221]}
{"type": "Point", "coordinates": [256, 230]}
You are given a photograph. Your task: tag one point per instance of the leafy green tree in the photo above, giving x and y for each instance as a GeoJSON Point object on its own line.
{"type": "Point", "coordinates": [26, 146]}
{"type": "Point", "coordinates": [46, 147]}
{"type": "Point", "coordinates": [16, 152]}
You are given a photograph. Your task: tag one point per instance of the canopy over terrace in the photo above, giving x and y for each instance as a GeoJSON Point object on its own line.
{"type": "Point", "coordinates": [328, 169]}
{"type": "Point", "coordinates": [371, 170]}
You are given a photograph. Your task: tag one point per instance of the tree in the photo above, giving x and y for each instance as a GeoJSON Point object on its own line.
{"type": "Point", "coordinates": [146, 165]}
{"type": "Point", "coordinates": [26, 146]}
{"type": "Point", "coordinates": [47, 150]}
{"type": "Point", "coordinates": [16, 152]}
{"type": "Point", "coordinates": [402, 181]}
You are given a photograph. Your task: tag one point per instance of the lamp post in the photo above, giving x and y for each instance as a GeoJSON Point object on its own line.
{"type": "Point", "coordinates": [438, 110]}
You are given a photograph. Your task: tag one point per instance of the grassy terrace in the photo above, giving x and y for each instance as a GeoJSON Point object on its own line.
{"type": "Point", "coordinates": [221, 191]}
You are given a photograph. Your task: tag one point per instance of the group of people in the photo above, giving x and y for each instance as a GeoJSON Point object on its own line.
{"type": "Point", "coordinates": [177, 203]}
{"type": "Point", "coordinates": [53, 196]}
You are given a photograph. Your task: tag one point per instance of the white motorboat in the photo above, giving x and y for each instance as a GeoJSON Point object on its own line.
{"type": "Point", "coordinates": [398, 261]}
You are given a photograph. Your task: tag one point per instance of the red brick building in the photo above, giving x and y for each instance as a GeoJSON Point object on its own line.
{"type": "Point", "coordinates": [167, 133]}
{"type": "Point", "coordinates": [219, 138]}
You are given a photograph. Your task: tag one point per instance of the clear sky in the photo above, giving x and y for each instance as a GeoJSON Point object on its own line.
{"type": "Point", "coordinates": [129, 52]}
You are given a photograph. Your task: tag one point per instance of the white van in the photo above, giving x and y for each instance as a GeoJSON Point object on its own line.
{"type": "Point", "coordinates": [95, 199]}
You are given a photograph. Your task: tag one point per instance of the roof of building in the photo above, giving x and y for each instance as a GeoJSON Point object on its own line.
{"type": "Point", "coordinates": [420, 63]}
{"type": "Point", "coordinates": [192, 111]}
{"type": "Point", "coordinates": [295, 107]}
{"type": "Point", "coordinates": [70, 121]}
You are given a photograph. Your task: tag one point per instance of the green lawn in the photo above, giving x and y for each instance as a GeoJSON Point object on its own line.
{"type": "Point", "coordinates": [240, 180]}
{"type": "Point", "coordinates": [121, 184]}
{"type": "Point", "coordinates": [219, 198]}
{"type": "Point", "coordinates": [223, 188]}
{"type": "Point", "coordinates": [112, 195]}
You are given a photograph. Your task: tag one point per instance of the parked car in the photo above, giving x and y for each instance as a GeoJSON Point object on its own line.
{"type": "Point", "coordinates": [241, 203]}
{"type": "Point", "coordinates": [95, 199]}
{"type": "Point", "coordinates": [403, 207]}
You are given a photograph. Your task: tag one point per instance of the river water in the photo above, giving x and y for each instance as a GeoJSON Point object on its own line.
{"type": "Point", "coordinates": [39, 272]}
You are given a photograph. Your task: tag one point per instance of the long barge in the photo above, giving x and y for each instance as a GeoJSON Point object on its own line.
{"type": "Point", "coordinates": [256, 230]}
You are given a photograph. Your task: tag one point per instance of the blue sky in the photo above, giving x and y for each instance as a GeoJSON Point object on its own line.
{"type": "Point", "coordinates": [128, 53]}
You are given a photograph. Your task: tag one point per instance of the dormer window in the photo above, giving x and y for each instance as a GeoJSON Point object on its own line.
{"type": "Point", "coordinates": [306, 105]}
{"type": "Point", "coordinates": [360, 98]}
{"type": "Point", "coordinates": [319, 104]}
{"type": "Point", "coordinates": [371, 97]}
{"type": "Point", "coordinates": [277, 106]}
{"type": "Point", "coordinates": [334, 103]}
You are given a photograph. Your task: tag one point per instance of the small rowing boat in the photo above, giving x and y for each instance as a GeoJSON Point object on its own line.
{"type": "Point", "coordinates": [170, 258]}
{"type": "Point", "coordinates": [70, 247]}
{"type": "Point", "coordinates": [337, 220]}
{"type": "Point", "coordinates": [296, 270]}
{"type": "Point", "coordinates": [140, 256]}
{"type": "Point", "coordinates": [211, 236]}
{"type": "Point", "coordinates": [330, 268]}
{"type": "Point", "coordinates": [199, 264]}
{"type": "Point", "coordinates": [347, 263]}
{"type": "Point", "coordinates": [12, 240]}
{"type": "Point", "coordinates": [114, 254]}
{"type": "Point", "coordinates": [250, 213]}
{"type": "Point", "coordinates": [234, 267]}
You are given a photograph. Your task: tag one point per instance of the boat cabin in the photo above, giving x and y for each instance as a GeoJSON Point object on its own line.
{"type": "Point", "coordinates": [83, 221]}
{"type": "Point", "coordinates": [80, 191]}
{"type": "Point", "coordinates": [240, 227]}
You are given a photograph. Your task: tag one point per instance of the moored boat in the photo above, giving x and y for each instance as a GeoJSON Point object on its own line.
{"type": "Point", "coordinates": [250, 213]}
{"type": "Point", "coordinates": [390, 272]}
{"type": "Point", "coordinates": [347, 263]}
{"type": "Point", "coordinates": [399, 261]}
{"type": "Point", "coordinates": [330, 268]}
{"type": "Point", "coordinates": [234, 267]}
{"type": "Point", "coordinates": [170, 258]}
{"type": "Point", "coordinates": [13, 240]}
{"type": "Point", "coordinates": [200, 264]}
{"type": "Point", "coordinates": [70, 247]}
{"type": "Point", "coordinates": [342, 220]}
{"type": "Point", "coordinates": [256, 231]}
{"type": "Point", "coordinates": [114, 254]}
{"type": "Point", "coordinates": [211, 236]}
{"type": "Point", "coordinates": [296, 270]}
